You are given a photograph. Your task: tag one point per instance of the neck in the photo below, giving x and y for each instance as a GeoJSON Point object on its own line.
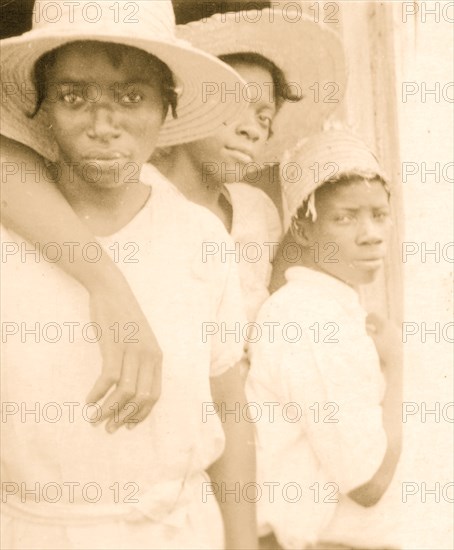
{"type": "Point", "coordinates": [104, 210]}
{"type": "Point", "coordinates": [313, 258]}
{"type": "Point", "coordinates": [187, 174]}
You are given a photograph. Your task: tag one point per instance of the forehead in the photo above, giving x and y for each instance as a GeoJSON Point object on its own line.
{"type": "Point", "coordinates": [251, 71]}
{"type": "Point", "coordinates": [257, 76]}
{"type": "Point", "coordinates": [356, 194]}
{"type": "Point", "coordinates": [96, 60]}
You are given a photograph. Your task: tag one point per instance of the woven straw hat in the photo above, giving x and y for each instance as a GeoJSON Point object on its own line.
{"type": "Point", "coordinates": [309, 54]}
{"type": "Point", "coordinates": [152, 29]}
{"type": "Point", "coordinates": [322, 157]}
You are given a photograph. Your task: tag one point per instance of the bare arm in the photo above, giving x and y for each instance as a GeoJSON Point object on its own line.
{"type": "Point", "coordinates": [32, 206]}
{"type": "Point", "coordinates": [236, 467]}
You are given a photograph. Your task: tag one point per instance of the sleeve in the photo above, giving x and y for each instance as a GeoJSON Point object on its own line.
{"type": "Point", "coordinates": [345, 424]}
{"type": "Point", "coordinates": [230, 320]}
{"type": "Point", "coordinates": [283, 459]}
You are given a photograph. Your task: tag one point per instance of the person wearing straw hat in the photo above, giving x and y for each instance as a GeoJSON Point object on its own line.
{"type": "Point", "coordinates": [341, 440]}
{"type": "Point", "coordinates": [28, 144]}
{"type": "Point", "coordinates": [310, 54]}
{"type": "Point", "coordinates": [281, 109]}
{"type": "Point", "coordinates": [103, 91]}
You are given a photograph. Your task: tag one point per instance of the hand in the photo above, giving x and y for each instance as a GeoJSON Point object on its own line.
{"type": "Point", "coordinates": [387, 339]}
{"type": "Point", "coordinates": [132, 359]}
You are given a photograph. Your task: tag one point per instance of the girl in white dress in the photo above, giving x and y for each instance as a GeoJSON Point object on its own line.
{"type": "Point", "coordinates": [65, 485]}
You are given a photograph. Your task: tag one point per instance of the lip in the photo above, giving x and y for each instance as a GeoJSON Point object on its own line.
{"type": "Point", "coordinates": [105, 155]}
{"type": "Point", "coordinates": [243, 155]}
{"type": "Point", "coordinates": [369, 263]}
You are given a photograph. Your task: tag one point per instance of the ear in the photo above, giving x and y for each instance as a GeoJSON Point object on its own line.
{"type": "Point", "coordinates": [301, 231]}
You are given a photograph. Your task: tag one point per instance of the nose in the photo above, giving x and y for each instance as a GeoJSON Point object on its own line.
{"type": "Point", "coordinates": [249, 127]}
{"type": "Point", "coordinates": [370, 232]}
{"type": "Point", "coordinates": [103, 124]}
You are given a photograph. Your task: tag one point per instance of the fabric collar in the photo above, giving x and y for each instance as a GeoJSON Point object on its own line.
{"type": "Point", "coordinates": [310, 278]}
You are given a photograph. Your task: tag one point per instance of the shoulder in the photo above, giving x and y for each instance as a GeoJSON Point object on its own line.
{"type": "Point", "coordinates": [150, 175]}
{"type": "Point", "coordinates": [190, 217]}
{"type": "Point", "coordinates": [253, 195]}
{"type": "Point", "coordinates": [304, 301]}
{"type": "Point", "coordinates": [284, 304]}
{"type": "Point", "coordinates": [252, 203]}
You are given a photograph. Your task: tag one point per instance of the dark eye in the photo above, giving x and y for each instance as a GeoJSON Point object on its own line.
{"type": "Point", "coordinates": [344, 219]}
{"type": "Point", "coordinates": [132, 97]}
{"type": "Point", "coordinates": [381, 216]}
{"type": "Point", "coordinates": [72, 98]}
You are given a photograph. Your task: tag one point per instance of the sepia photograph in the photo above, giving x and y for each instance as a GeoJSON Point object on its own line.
{"type": "Point", "coordinates": [226, 275]}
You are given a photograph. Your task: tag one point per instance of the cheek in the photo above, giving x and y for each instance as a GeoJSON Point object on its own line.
{"type": "Point", "coordinates": [65, 131]}
{"type": "Point", "coordinates": [387, 230]}
{"type": "Point", "coordinates": [143, 127]}
{"type": "Point", "coordinates": [264, 136]}
{"type": "Point", "coordinates": [65, 123]}
{"type": "Point", "coordinates": [147, 127]}
{"type": "Point", "coordinates": [209, 149]}
{"type": "Point", "coordinates": [325, 232]}
{"type": "Point", "coordinates": [226, 133]}
{"type": "Point", "coordinates": [342, 237]}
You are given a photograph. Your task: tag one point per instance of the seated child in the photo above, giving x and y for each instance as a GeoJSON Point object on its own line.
{"type": "Point", "coordinates": [66, 485]}
{"type": "Point", "coordinates": [327, 428]}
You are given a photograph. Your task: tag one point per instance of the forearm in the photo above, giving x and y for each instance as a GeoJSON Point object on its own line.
{"type": "Point", "coordinates": [233, 472]}
{"type": "Point", "coordinates": [33, 207]}
{"type": "Point", "coordinates": [371, 492]}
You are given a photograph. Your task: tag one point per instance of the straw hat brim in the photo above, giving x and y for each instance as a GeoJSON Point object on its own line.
{"type": "Point", "coordinates": [309, 54]}
{"type": "Point", "coordinates": [199, 113]}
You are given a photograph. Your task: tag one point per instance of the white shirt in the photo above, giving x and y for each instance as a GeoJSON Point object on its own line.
{"type": "Point", "coordinates": [321, 361]}
{"type": "Point", "coordinates": [256, 231]}
{"type": "Point", "coordinates": [165, 456]}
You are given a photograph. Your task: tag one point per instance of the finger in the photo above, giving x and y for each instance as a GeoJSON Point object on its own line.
{"type": "Point", "coordinates": [125, 390]}
{"type": "Point", "coordinates": [148, 391]}
{"type": "Point", "coordinates": [112, 355]}
{"type": "Point", "coordinates": [149, 380]}
{"type": "Point", "coordinates": [144, 411]}
{"type": "Point", "coordinates": [127, 416]}
{"type": "Point", "coordinates": [149, 387]}
{"type": "Point", "coordinates": [102, 385]}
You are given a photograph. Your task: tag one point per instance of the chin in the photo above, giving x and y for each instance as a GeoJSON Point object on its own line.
{"type": "Point", "coordinates": [107, 183]}
{"type": "Point", "coordinates": [367, 277]}
{"type": "Point", "coordinates": [356, 277]}
{"type": "Point", "coordinates": [232, 172]}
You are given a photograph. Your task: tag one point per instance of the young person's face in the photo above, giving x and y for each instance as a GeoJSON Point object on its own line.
{"type": "Point", "coordinates": [105, 119]}
{"type": "Point", "coordinates": [236, 145]}
{"type": "Point", "coordinates": [352, 226]}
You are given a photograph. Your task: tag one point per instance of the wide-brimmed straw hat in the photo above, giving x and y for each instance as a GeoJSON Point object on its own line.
{"type": "Point", "coordinates": [309, 54]}
{"type": "Point", "coordinates": [325, 156]}
{"type": "Point", "coordinates": [151, 28]}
